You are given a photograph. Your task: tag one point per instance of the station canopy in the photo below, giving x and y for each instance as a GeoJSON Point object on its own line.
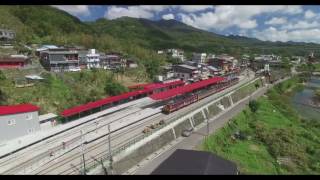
{"type": "Point", "coordinates": [186, 89]}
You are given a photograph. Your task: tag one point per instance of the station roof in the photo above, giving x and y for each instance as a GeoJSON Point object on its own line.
{"type": "Point", "coordinates": [91, 105]}
{"type": "Point", "coordinates": [162, 85]}
{"type": "Point", "coordinates": [152, 86]}
{"type": "Point", "coordinates": [186, 89]}
{"type": "Point", "coordinates": [15, 109]}
{"type": "Point", "coordinates": [101, 102]}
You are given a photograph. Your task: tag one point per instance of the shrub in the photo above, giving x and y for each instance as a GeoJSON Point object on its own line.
{"type": "Point", "coordinates": [254, 106]}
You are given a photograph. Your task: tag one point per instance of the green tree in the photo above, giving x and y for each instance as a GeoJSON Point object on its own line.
{"type": "Point", "coordinates": [114, 88]}
{"type": "Point", "coordinates": [254, 106]}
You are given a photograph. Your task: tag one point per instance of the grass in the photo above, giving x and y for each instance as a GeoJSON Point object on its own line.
{"type": "Point", "coordinates": [59, 92]}
{"type": "Point", "coordinates": [273, 132]}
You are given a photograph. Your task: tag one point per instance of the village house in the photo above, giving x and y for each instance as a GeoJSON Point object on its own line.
{"type": "Point", "coordinates": [185, 72]}
{"type": "Point", "coordinates": [259, 62]}
{"type": "Point", "coordinates": [7, 36]}
{"type": "Point", "coordinates": [214, 71]}
{"type": "Point", "coordinates": [60, 61]}
{"type": "Point", "coordinates": [297, 59]}
{"type": "Point", "coordinates": [199, 57]}
{"type": "Point", "coordinates": [14, 62]}
{"type": "Point", "coordinates": [89, 59]}
{"type": "Point", "coordinates": [176, 53]}
{"type": "Point", "coordinates": [112, 60]}
{"type": "Point", "coordinates": [130, 63]}
{"type": "Point", "coordinates": [160, 52]}
{"type": "Point", "coordinates": [46, 48]}
{"type": "Point", "coordinates": [18, 120]}
{"type": "Point", "coordinates": [223, 62]}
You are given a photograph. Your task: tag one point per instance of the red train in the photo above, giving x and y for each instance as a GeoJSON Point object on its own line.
{"type": "Point", "coordinates": [198, 94]}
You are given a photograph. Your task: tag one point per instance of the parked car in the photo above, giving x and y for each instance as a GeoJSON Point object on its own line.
{"type": "Point", "coordinates": [187, 132]}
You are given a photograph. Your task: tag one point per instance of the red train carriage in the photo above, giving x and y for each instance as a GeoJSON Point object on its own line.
{"type": "Point", "coordinates": [193, 92]}
{"type": "Point", "coordinates": [170, 107]}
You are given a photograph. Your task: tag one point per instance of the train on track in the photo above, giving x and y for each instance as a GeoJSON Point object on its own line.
{"type": "Point", "coordinates": [197, 94]}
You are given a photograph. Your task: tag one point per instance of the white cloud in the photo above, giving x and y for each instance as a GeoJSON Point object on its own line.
{"type": "Point", "coordinates": [145, 11]}
{"type": "Point", "coordinates": [75, 9]}
{"type": "Point", "coordinates": [302, 24]}
{"type": "Point", "coordinates": [309, 14]}
{"type": "Point", "coordinates": [276, 21]}
{"type": "Point", "coordinates": [301, 35]}
{"type": "Point", "coordinates": [193, 8]}
{"type": "Point", "coordinates": [240, 16]}
{"type": "Point", "coordinates": [168, 16]}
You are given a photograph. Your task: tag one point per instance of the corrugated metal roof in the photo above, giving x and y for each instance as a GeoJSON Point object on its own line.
{"type": "Point", "coordinates": [15, 109]}
{"type": "Point", "coordinates": [92, 105]}
{"type": "Point", "coordinates": [185, 89]}
{"type": "Point", "coordinates": [95, 104]}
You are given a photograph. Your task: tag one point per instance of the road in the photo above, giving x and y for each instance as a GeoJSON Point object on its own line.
{"type": "Point", "coordinates": [194, 140]}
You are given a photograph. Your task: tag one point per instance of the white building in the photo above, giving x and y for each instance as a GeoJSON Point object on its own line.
{"type": "Point", "coordinates": [92, 59]}
{"type": "Point", "coordinates": [199, 57]}
{"type": "Point", "coordinates": [18, 120]}
{"type": "Point", "coordinates": [177, 53]}
{"type": "Point", "coordinates": [160, 52]}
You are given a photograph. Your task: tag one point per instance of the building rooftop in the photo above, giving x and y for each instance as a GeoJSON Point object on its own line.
{"type": "Point", "coordinates": [34, 77]}
{"type": "Point", "coordinates": [190, 162]}
{"type": "Point", "coordinates": [187, 66]}
{"type": "Point", "coordinates": [12, 59]}
{"type": "Point", "coordinates": [15, 109]}
{"type": "Point", "coordinates": [62, 52]}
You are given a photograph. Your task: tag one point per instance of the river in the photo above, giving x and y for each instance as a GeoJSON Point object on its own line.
{"type": "Point", "coordinates": [304, 97]}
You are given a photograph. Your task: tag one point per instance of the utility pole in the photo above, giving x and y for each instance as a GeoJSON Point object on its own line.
{"type": "Point", "coordinates": [208, 128]}
{"type": "Point", "coordinates": [110, 153]}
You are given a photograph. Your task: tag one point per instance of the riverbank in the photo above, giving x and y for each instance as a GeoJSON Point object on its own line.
{"type": "Point", "coordinates": [273, 140]}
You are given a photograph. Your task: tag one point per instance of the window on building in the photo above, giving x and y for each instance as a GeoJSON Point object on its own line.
{"type": "Point", "coordinates": [29, 116]}
{"type": "Point", "coordinates": [11, 122]}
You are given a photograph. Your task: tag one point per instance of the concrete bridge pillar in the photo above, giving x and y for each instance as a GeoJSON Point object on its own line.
{"type": "Point", "coordinates": [231, 101]}
{"type": "Point", "coordinates": [174, 133]}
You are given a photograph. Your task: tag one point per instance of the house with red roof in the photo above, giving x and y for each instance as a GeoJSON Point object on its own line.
{"type": "Point", "coordinates": [18, 120]}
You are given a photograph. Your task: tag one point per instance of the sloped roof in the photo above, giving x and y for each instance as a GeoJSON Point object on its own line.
{"type": "Point", "coordinates": [186, 89]}
{"type": "Point", "coordinates": [15, 109]}
{"type": "Point", "coordinates": [190, 162]}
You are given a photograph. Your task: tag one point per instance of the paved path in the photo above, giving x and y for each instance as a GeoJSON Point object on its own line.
{"type": "Point", "coordinates": [196, 138]}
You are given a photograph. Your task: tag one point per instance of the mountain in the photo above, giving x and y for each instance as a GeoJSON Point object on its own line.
{"type": "Point", "coordinates": [46, 24]}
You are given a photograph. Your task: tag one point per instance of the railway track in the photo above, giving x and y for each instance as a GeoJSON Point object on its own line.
{"type": "Point", "coordinates": [99, 146]}
{"type": "Point", "coordinates": [47, 153]}
{"type": "Point", "coordinates": [57, 140]}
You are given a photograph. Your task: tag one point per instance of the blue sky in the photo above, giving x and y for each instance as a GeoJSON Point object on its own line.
{"type": "Point", "coordinates": [273, 23]}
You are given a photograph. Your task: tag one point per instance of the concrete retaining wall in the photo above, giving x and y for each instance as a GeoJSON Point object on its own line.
{"type": "Point", "coordinates": [182, 126]}
{"type": "Point", "coordinates": [213, 110]}
{"type": "Point", "coordinates": [225, 102]}
{"type": "Point", "coordinates": [198, 118]}
{"type": "Point", "coordinates": [142, 152]}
